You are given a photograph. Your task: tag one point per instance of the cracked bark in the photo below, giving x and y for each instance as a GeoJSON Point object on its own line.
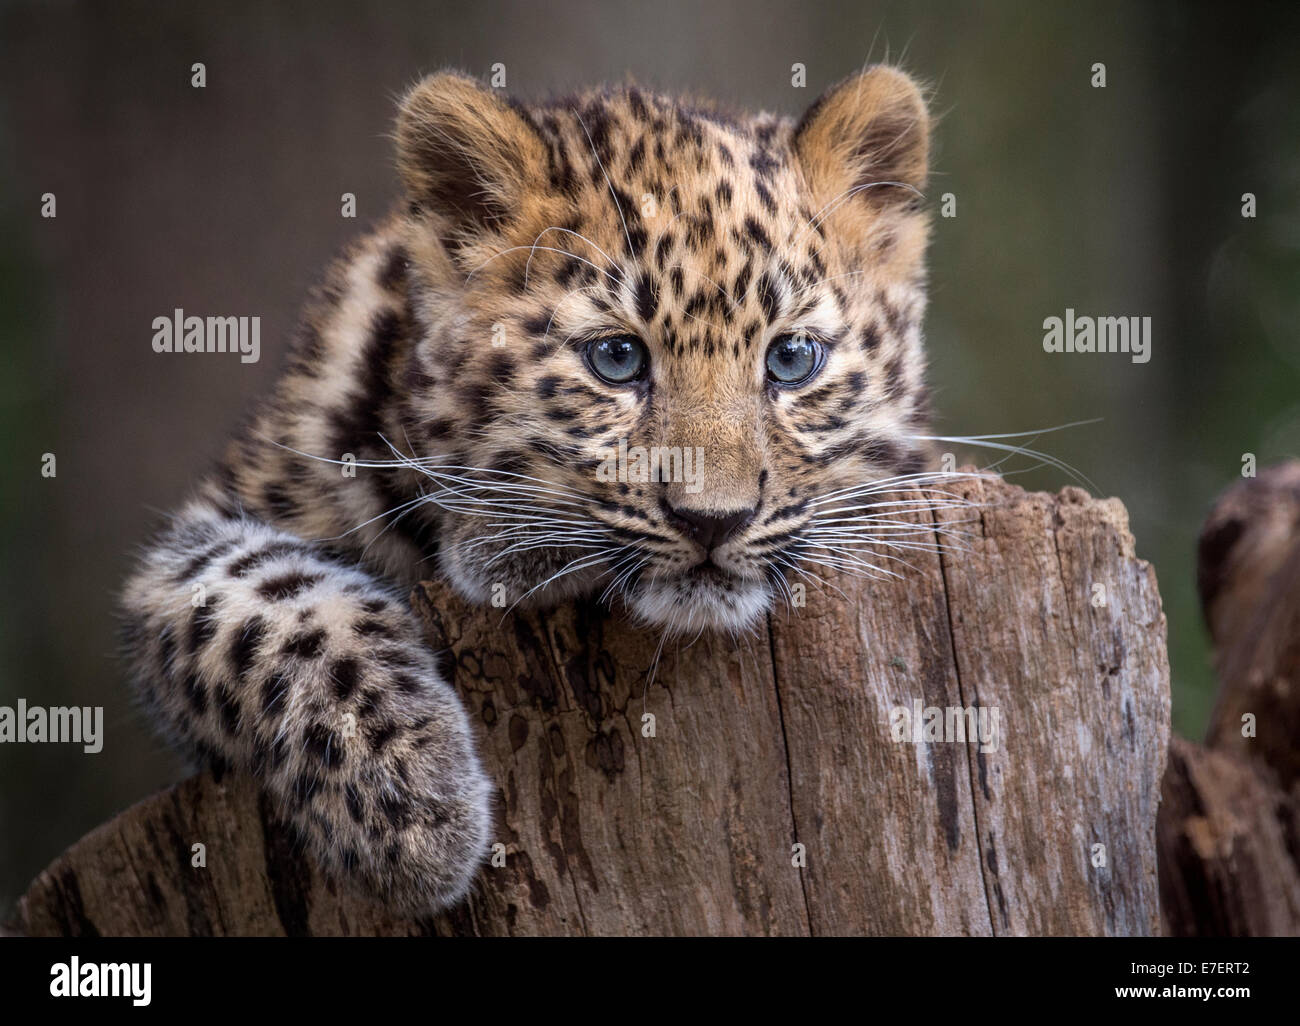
{"type": "Point", "coordinates": [989, 887]}
{"type": "Point", "coordinates": [781, 737]}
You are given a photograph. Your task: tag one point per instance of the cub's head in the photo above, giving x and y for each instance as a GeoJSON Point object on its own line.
{"type": "Point", "coordinates": [654, 337]}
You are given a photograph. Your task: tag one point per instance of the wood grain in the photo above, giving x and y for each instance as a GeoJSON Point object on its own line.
{"type": "Point", "coordinates": [1228, 842]}
{"type": "Point", "coordinates": [771, 798]}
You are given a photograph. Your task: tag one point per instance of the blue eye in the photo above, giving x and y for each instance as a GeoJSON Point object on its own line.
{"type": "Point", "coordinates": [618, 359]}
{"type": "Point", "coordinates": [793, 359]}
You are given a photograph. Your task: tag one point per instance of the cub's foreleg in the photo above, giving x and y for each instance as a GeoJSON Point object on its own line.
{"type": "Point", "coordinates": [257, 649]}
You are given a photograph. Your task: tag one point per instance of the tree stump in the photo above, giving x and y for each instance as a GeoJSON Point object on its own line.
{"type": "Point", "coordinates": [751, 786]}
{"type": "Point", "coordinates": [1229, 827]}
{"type": "Point", "coordinates": [1228, 842]}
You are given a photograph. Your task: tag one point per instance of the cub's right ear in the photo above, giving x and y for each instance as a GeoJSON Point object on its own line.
{"type": "Point", "coordinates": [466, 153]}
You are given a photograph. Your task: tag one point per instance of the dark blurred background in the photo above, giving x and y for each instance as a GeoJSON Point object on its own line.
{"type": "Point", "coordinates": [226, 200]}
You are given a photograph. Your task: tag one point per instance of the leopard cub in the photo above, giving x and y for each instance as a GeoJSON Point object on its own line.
{"type": "Point", "coordinates": [606, 273]}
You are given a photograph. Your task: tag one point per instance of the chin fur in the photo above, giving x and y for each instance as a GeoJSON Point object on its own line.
{"type": "Point", "coordinates": [692, 602]}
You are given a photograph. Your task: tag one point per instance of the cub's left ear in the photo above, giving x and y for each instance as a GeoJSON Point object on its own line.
{"type": "Point", "coordinates": [870, 128]}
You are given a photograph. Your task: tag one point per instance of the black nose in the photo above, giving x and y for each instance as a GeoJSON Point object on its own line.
{"type": "Point", "coordinates": [709, 529]}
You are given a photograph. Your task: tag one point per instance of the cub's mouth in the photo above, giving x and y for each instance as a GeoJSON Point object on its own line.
{"type": "Point", "coordinates": [702, 596]}
{"type": "Point", "coordinates": [707, 572]}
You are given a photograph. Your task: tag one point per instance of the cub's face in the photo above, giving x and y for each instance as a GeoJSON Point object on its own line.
{"type": "Point", "coordinates": [654, 339]}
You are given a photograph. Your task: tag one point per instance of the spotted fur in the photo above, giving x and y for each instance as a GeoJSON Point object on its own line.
{"type": "Point", "coordinates": [439, 413]}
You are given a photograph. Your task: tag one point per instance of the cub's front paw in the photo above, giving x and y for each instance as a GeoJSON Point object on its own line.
{"type": "Point", "coordinates": [405, 810]}
{"type": "Point", "coordinates": [434, 813]}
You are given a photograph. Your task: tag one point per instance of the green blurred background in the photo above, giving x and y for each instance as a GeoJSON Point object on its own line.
{"type": "Point", "coordinates": [1117, 201]}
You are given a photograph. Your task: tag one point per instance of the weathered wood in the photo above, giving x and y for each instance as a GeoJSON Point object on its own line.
{"type": "Point", "coordinates": [1250, 583]}
{"type": "Point", "coordinates": [778, 739]}
{"type": "Point", "coordinates": [1228, 842]}
{"type": "Point", "coordinates": [1229, 825]}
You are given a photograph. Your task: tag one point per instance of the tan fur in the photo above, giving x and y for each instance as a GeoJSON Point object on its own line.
{"type": "Point", "coordinates": [444, 360]}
